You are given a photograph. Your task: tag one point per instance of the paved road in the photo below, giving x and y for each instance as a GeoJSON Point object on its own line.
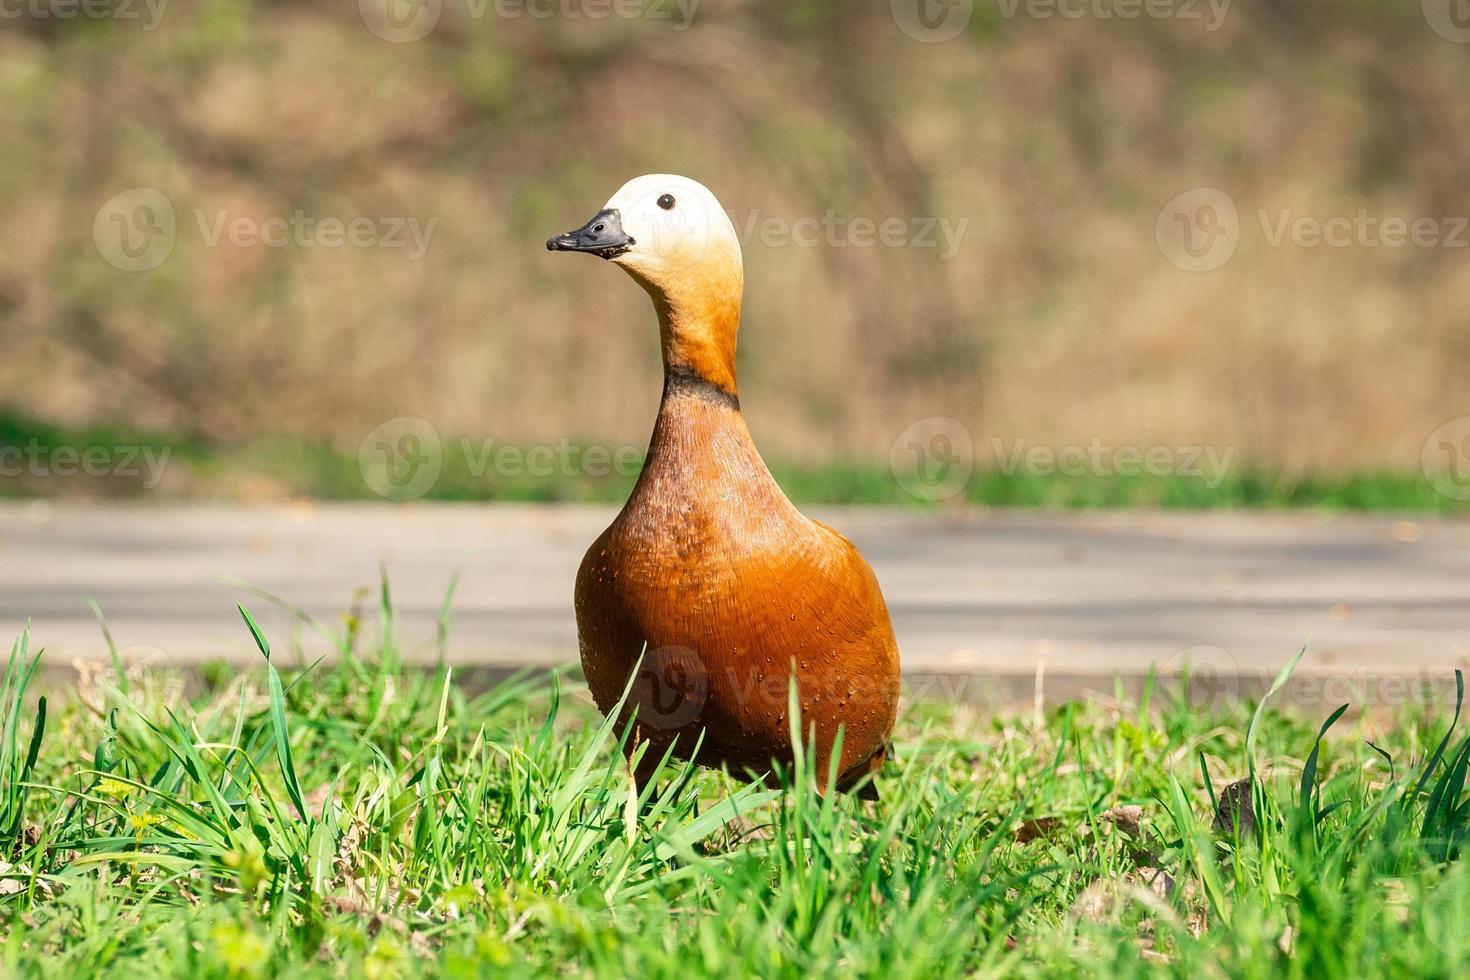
{"type": "Point", "coordinates": [983, 594]}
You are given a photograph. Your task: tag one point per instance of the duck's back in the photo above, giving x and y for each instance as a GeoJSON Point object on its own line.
{"type": "Point", "coordinates": [727, 591]}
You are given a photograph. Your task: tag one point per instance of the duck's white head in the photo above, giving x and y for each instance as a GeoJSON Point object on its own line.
{"type": "Point", "coordinates": [671, 235]}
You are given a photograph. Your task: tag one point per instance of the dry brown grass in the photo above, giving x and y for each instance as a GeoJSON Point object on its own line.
{"type": "Point", "coordinates": [1058, 321]}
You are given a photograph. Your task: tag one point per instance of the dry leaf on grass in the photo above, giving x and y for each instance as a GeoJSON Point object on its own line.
{"type": "Point", "coordinates": [15, 878]}
{"type": "Point", "coordinates": [1037, 828]}
{"type": "Point", "coordinates": [1126, 818]}
{"type": "Point", "coordinates": [1235, 815]}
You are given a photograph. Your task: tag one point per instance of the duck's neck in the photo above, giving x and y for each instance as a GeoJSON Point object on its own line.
{"type": "Point", "coordinates": [700, 450]}
{"type": "Point", "coordinates": [701, 457]}
{"type": "Point", "coordinates": [699, 414]}
{"type": "Point", "coordinates": [699, 421]}
{"type": "Point", "coordinates": [697, 333]}
{"type": "Point", "coordinates": [698, 320]}
{"type": "Point", "coordinates": [699, 377]}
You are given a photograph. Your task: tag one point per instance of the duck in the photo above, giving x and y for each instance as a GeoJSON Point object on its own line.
{"type": "Point", "coordinates": [711, 608]}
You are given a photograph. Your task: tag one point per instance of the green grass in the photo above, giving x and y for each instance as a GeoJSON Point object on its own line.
{"type": "Point", "coordinates": [360, 818]}
{"type": "Point", "coordinates": [267, 467]}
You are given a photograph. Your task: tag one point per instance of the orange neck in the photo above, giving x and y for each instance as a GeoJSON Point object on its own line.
{"type": "Point", "coordinates": [698, 320]}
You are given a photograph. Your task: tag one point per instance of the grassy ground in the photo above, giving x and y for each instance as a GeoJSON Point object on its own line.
{"type": "Point", "coordinates": [286, 468]}
{"type": "Point", "coordinates": [361, 819]}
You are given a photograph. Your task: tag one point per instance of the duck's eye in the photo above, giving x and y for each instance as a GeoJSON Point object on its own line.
{"type": "Point", "coordinates": [666, 202]}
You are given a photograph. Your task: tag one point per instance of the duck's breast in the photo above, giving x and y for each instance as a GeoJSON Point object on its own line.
{"type": "Point", "coordinates": [732, 592]}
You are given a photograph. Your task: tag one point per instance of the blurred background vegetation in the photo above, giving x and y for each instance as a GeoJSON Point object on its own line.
{"type": "Point", "coordinates": [1057, 321]}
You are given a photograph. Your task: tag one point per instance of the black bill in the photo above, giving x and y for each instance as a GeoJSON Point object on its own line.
{"type": "Point", "coordinates": [603, 236]}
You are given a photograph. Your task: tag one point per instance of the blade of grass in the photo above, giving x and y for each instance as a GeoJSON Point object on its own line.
{"type": "Point", "coordinates": [278, 717]}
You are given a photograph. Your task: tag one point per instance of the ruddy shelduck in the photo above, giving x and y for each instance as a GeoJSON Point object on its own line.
{"type": "Point", "coordinates": [709, 577]}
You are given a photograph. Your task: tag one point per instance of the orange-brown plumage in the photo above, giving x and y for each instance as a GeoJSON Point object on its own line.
{"type": "Point", "coordinates": [709, 575]}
